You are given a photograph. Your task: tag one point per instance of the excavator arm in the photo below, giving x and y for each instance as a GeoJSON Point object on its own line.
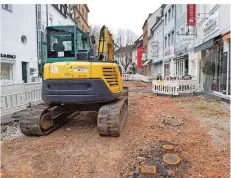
{"type": "Point", "coordinates": [106, 44]}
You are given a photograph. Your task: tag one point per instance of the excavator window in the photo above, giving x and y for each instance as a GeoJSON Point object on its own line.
{"type": "Point", "coordinates": [60, 42]}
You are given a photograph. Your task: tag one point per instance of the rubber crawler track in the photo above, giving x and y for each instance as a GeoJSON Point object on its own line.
{"type": "Point", "coordinates": [30, 121]}
{"type": "Point", "coordinates": [112, 116]}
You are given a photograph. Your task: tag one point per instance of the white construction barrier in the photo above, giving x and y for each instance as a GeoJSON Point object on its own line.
{"type": "Point", "coordinates": [18, 97]}
{"type": "Point", "coordinates": [165, 87]}
{"type": "Point", "coordinates": [175, 87]}
{"type": "Point", "coordinates": [147, 78]}
{"type": "Point", "coordinates": [136, 77]}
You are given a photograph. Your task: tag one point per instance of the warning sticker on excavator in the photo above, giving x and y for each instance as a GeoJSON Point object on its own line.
{"type": "Point", "coordinates": [81, 70]}
{"type": "Point", "coordinates": [54, 69]}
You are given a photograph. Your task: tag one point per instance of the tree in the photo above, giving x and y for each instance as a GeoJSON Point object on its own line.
{"type": "Point", "coordinates": [125, 40]}
{"type": "Point", "coordinates": [125, 57]}
{"type": "Point", "coordinates": [125, 37]}
{"type": "Point", "coordinates": [95, 29]}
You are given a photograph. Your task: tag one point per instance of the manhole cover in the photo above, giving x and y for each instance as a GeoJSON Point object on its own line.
{"type": "Point", "coordinates": [168, 147]}
{"type": "Point", "coordinates": [171, 159]}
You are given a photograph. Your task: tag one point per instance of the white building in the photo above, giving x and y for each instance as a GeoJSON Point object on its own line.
{"type": "Point", "coordinates": [184, 38]}
{"type": "Point", "coordinates": [18, 43]}
{"type": "Point", "coordinates": [21, 27]}
{"type": "Point", "coordinates": [211, 51]}
{"type": "Point", "coordinates": [169, 39]}
{"type": "Point", "coordinates": [157, 47]}
{"type": "Point", "coordinates": [151, 21]}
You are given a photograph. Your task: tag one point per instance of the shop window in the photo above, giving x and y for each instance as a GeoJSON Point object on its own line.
{"type": "Point", "coordinates": [215, 69]}
{"type": "Point", "coordinates": [6, 71]}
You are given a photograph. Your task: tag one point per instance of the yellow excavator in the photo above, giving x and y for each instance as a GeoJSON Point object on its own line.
{"type": "Point", "coordinates": [77, 79]}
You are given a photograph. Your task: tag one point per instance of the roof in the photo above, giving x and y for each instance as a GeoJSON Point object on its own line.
{"type": "Point", "coordinates": [158, 22]}
{"type": "Point", "coordinates": [145, 23]}
{"type": "Point", "coordinates": [87, 7]}
{"type": "Point", "coordinates": [126, 49]}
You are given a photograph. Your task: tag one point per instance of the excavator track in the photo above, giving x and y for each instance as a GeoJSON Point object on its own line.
{"type": "Point", "coordinates": [33, 123]}
{"type": "Point", "coordinates": [112, 116]}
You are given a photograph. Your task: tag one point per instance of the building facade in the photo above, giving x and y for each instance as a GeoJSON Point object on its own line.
{"type": "Point", "coordinates": [19, 61]}
{"type": "Point", "coordinates": [212, 48]}
{"type": "Point", "coordinates": [139, 51]}
{"type": "Point", "coordinates": [81, 16]}
{"type": "Point", "coordinates": [169, 39]}
{"type": "Point", "coordinates": [184, 38]}
{"type": "Point", "coordinates": [157, 46]}
{"type": "Point", "coordinates": [21, 50]}
{"type": "Point", "coordinates": [151, 21]}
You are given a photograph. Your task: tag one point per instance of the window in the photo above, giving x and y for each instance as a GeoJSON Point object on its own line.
{"type": "Point", "coordinates": [39, 14]}
{"type": "Point", "coordinates": [50, 19]}
{"type": "Point", "coordinates": [60, 42]}
{"type": "Point", "coordinates": [82, 11]}
{"type": "Point", "coordinates": [179, 65]}
{"type": "Point", "coordinates": [165, 42]}
{"type": "Point", "coordinates": [169, 15]}
{"type": "Point", "coordinates": [7, 7]}
{"type": "Point", "coordinates": [39, 25]}
{"type": "Point", "coordinates": [173, 11]}
{"type": "Point", "coordinates": [6, 71]}
{"type": "Point", "coordinates": [24, 39]}
{"type": "Point", "coordinates": [169, 39]}
{"type": "Point", "coordinates": [177, 38]}
{"type": "Point", "coordinates": [172, 40]}
{"type": "Point", "coordinates": [165, 19]}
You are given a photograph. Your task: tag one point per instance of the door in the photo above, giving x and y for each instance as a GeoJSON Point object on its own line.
{"type": "Point", "coordinates": [24, 72]}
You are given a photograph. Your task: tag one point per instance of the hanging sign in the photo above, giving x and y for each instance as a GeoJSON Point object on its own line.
{"type": "Point", "coordinates": [191, 14]}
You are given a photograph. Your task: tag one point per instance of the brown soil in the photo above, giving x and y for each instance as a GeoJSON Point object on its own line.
{"type": "Point", "coordinates": [76, 150]}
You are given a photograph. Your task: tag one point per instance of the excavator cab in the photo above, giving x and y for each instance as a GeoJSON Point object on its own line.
{"type": "Point", "coordinates": [64, 43]}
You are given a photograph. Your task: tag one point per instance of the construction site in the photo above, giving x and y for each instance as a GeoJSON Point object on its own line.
{"type": "Point", "coordinates": [91, 112]}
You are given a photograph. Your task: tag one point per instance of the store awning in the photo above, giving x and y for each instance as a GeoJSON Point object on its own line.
{"type": "Point", "coordinates": [226, 36]}
{"type": "Point", "coordinates": [145, 63]}
{"type": "Point", "coordinates": [157, 62]}
{"type": "Point", "coordinates": [204, 46]}
{"type": "Point", "coordinates": [181, 57]}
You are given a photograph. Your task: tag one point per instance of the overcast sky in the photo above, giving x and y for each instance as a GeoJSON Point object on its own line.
{"type": "Point", "coordinates": [124, 14]}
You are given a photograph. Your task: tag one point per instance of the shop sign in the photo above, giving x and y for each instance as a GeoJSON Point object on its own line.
{"type": "Point", "coordinates": [191, 14]}
{"type": "Point", "coordinates": [186, 40]}
{"type": "Point", "coordinates": [8, 56]}
{"type": "Point", "coordinates": [167, 52]}
{"type": "Point", "coordinates": [154, 49]}
{"type": "Point", "coordinates": [211, 25]}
